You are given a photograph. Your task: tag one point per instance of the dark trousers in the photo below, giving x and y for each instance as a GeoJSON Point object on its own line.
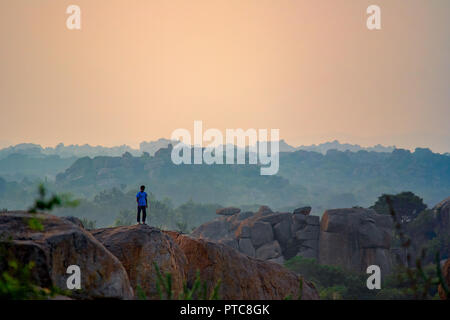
{"type": "Point", "coordinates": [144, 213]}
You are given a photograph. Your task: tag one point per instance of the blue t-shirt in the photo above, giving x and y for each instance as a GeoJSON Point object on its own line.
{"type": "Point", "coordinates": [141, 197]}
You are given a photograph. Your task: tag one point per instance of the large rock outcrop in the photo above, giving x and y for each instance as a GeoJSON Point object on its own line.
{"type": "Point", "coordinates": [351, 238]}
{"type": "Point", "coordinates": [58, 245]}
{"type": "Point", "coordinates": [266, 235]}
{"type": "Point", "coordinates": [109, 258]}
{"type": "Point", "coordinates": [356, 238]}
{"type": "Point", "coordinates": [138, 248]}
{"type": "Point", "coordinates": [242, 277]}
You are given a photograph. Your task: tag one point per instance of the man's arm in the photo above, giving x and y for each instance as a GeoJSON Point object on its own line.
{"type": "Point", "coordinates": [146, 201]}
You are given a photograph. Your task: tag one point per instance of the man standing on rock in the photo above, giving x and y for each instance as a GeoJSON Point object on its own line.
{"type": "Point", "coordinates": [141, 199]}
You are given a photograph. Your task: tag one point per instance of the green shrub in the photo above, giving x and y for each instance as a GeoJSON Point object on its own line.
{"type": "Point", "coordinates": [16, 281]}
{"type": "Point", "coordinates": [334, 281]}
{"type": "Point", "coordinates": [198, 290]}
{"type": "Point", "coordinates": [333, 293]}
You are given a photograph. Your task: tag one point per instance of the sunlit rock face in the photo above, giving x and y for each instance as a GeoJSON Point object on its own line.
{"type": "Point", "coordinates": [58, 245]}
{"type": "Point", "coordinates": [139, 248]}
{"type": "Point", "coordinates": [241, 276]}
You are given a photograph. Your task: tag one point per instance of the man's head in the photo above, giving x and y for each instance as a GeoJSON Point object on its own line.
{"type": "Point", "coordinates": [142, 188]}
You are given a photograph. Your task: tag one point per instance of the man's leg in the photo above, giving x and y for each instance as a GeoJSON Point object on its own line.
{"type": "Point", "coordinates": [144, 214]}
{"type": "Point", "coordinates": [139, 214]}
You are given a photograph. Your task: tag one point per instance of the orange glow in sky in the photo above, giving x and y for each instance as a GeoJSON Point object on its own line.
{"type": "Point", "coordinates": [139, 69]}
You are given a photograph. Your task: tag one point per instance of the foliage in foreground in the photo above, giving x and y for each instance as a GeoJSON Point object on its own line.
{"type": "Point", "coordinates": [198, 290]}
{"type": "Point", "coordinates": [16, 284]}
{"type": "Point", "coordinates": [16, 280]}
{"type": "Point", "coordinates": [418, 280]}
{"type": "Point", "coordinates": [335, 283]}
{"type": "Point", "coordinates": [332, 282]}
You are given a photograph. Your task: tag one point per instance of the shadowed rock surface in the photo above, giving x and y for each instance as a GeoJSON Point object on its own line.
{"type": "Point", "coordinates": [356, 238]}
{"type": "Point", "coordinates": [267, 235]}
{"type": "Point", "coordinates": [351, 238]}
{"type": "Point", "coordinates": [228, 211]}
{"type": "Point", "coordinates": [242, 277]}
{"type": "Point", "coordinates": [138, 247]}
{"type": "Point", "coordinates": [61, 244]}
{"type": "Point", "coordinates": [303, 210]}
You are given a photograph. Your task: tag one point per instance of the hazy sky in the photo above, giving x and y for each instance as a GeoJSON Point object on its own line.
{"type": "Point", "coordinates": [139, 69]}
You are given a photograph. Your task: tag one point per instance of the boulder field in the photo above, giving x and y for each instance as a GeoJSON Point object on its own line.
{"type": "Point", "coordinates": [352, 238]}
{"type": "Point", "coordinates": [266, 235]}
{"type": "Point", "coordinates": [115, 262]}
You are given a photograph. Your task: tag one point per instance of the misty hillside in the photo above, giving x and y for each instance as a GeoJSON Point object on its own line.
{"type": "Point", "coordinates": [223, 184]}
{"type": "Point", "coordinates": [17, 166]}
{"type": "Point", "coordinates": [322, 180]}
{"type": "Point", "coordinates": [343, 179]}
{"type": "Point", "coordinates": [29, 160]}
{"type": "Point", "coordinates": [86, 150]}
{"type": "Point", "coordinates": [336, 179]}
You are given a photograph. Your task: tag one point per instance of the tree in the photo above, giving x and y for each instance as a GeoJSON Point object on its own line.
{"type": "Point", "coordinates": [406, 205]}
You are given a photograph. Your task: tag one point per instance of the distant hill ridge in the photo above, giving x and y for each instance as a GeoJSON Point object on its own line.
{"type": "Point", "coordinates": [86, 150]}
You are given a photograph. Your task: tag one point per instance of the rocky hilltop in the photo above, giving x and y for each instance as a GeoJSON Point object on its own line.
{"type": "Point", "coordinates": [115, 262]}
{"type": "Point", "coordinates": [352, 238]}
{"type": "Point", "coordinates": [60, 244]}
